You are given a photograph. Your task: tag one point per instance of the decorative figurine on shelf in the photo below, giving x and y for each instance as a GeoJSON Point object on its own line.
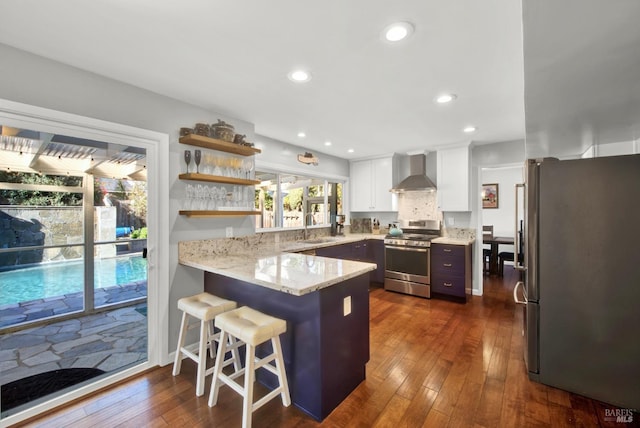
{"type": "Point", "coordinates": [308, 158]}
{"type": "Point", "coordinates": [239, 139]}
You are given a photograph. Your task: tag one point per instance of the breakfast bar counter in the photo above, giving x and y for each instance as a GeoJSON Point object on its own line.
{"type": "Point", "coordinates": [325, 302]}
{"type": "Point", "coordinates": [292, 273]}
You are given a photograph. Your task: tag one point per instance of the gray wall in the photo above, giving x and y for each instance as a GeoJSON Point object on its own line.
{"type": "Point", "coordinates": [496, 154]}
{"type": "Point", "coordinates": [285, 156]}
{"type": "Point", "coordinates": [37, 81]}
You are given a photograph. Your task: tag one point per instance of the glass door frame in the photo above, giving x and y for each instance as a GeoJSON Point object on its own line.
{"type": "Point", "coordinates": [45, 120]}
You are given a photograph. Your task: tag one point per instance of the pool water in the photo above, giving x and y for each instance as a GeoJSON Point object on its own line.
{"type": "Point", "coordinates": [60, 278]}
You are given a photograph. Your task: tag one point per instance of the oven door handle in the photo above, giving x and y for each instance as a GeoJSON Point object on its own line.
{"type": "Point", "coordinates": [414, 249]}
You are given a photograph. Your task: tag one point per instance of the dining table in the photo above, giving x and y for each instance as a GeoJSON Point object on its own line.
{"type": "Point", "coordinates": [495, 242]}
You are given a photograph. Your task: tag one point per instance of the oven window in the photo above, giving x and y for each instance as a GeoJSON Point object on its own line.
{"type": "Point", "coordinates": [411, 261]}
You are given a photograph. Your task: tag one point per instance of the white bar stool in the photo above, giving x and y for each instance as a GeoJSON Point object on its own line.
{"type": "Point", "coordinates": [204, 307]}
{"type": "Point", "coordinates": [252, 328]}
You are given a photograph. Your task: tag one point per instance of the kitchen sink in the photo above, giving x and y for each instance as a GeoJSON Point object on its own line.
{"type": "Point", "coordinates": [319, 240]}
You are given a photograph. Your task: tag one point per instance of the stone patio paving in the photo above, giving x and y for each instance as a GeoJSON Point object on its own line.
{"type": "Point", "coordinates": [17, 313]}
{"type": "Point", "coordinates": [108, 341]}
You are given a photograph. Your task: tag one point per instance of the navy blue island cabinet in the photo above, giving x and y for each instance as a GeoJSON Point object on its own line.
{"type": "Point", "coordinates": [326, 345]}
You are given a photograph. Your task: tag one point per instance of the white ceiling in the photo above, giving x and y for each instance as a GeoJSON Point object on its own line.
{"type": "Point", "coordinates": [582, 74]}
{"type": "Point", "coordinates": [233, 57]}
{"type": "Point", "coordinates": [579, 67]}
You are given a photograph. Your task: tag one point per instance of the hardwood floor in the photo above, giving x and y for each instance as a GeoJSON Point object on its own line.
{"type": "Point", "coordinates": [434, 363]}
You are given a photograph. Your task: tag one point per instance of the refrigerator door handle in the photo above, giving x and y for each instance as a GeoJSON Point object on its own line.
{"type": "Point", "coordinates": [524, 294]}
{"type": "Point", "coordinates": [516, 248]}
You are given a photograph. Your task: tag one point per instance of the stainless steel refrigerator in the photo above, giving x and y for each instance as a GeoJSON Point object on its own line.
{"type": "Point", "coordinates": [581, 288]}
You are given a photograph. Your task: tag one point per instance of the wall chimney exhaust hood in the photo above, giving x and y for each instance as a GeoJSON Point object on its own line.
{"type": "Point", "coordinates": [417, 181]}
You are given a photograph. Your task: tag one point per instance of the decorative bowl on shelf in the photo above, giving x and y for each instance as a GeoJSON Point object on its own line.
{"type": "Point", "coordinates": [222, 131]}
{"type": "Point", "coordinates": [202, 129]}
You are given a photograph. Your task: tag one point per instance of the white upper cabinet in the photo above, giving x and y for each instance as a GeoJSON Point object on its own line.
{"type": "Point", "coordinates": [453, 179]}
{"type": "Point", "coordinates": [371, 181]}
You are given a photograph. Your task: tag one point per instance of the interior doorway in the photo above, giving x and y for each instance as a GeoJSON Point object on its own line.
{"type": "Point", "coordinates": [500, 212]}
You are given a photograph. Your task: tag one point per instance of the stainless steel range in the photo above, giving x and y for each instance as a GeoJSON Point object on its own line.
{"type": "Point", "coordinates": [407, 265]}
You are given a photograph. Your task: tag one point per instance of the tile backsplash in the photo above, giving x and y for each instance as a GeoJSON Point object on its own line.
{"type": "Point", "coordinates": [459, 233]}
{"type": "Point", "coordinates": [418, 206]}
{"type": "Point", "coordinates": [361, 225]}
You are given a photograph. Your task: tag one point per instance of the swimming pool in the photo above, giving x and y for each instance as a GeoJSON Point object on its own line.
{"type": "Point", "coordinates": [59, 278]}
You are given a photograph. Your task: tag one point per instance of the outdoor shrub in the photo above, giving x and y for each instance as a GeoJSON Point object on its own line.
{"type": "Point", "coordinates": [139, 233]}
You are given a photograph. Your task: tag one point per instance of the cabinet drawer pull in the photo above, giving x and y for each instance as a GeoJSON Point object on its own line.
{"type": "Point", "coordinates": [446, 264]}
{"type": "Point", "coordinates": [447, 284]}
{"type": "Point", "coordinates": [447, 250]}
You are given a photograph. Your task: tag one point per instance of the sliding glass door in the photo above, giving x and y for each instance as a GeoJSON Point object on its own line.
{"type": "Point", "coordinates": [73, 272]}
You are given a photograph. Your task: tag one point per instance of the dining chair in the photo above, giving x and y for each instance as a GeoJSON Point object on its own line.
{"type": "Point", "coordinates": [507, 256]}
{"type": "Point", "coordinates": [487, 232]}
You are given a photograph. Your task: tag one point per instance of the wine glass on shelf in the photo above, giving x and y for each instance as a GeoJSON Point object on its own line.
{"type": "Point", "coordinates": [198, 158]}
{"type": "Point", "coordinates": [246, 167]}
{"type": "Point", "coordinates": [187, 158]}
{"type": "Point", "coordinates": [237, 164]}
{"type": "Point", "coordinates": [227, 167]}
{"type": "Point", "coordinates": [208, 163]}
{"type": "Point", "coordinates": [217, 161]}
{"type": "Point", "coordinates": [252, 166]}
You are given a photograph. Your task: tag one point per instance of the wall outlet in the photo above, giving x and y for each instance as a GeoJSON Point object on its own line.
{"type": "Point", "coordinates": [346, 306]}
{"type": "Point", "coordinates": [451, 221]}
{"type": "Point", "coordinates": [229, 232]}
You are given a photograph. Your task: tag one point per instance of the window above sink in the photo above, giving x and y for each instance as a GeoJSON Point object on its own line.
{"type": "Point", "coordinates": [285, 199]}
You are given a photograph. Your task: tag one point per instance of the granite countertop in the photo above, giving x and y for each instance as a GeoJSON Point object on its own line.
{"type": "Point", "coordinates": [291, 273]}
{"type": "Point", "coordinates": [452, 241]}
{"type": "Point", "coordinates": [282, 267]}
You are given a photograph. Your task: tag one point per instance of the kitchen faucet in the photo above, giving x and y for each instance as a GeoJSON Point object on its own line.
{"type": "Point", "coordinates": [304, 234]}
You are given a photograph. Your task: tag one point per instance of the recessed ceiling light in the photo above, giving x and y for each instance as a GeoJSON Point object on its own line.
{"type": "Point", "coordinates": [397, 31]}
{"type": "Point", "coordinates": [445, 98]}
{"type": "Point", "coordinates": [299, 76]}
{"type": "Point", "coordinates": [327, 143]}
{"type": "Point", "coordinates": [301, 134]}
{"type": "Point", "coordinates": [470, 129]}
{"type": "Point", "coordinates": [350, 151]}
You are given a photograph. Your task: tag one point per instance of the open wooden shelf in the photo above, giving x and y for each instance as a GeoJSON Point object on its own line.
{"type": "Point", "coordinates": [202, 213]}
{"type": "Point", "coordinates": [217, 179]}
{"type": "Point", "coordinates": [220, 145]}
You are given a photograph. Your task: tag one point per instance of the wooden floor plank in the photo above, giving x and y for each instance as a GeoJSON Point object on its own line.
{"type": "Point", "coordinates": [466, 404]}
{"type": "Point", "coordinates": [416, 378]}
{"type": "Point", "coordinates": [433, 363]}
{"type": "Point", "coordinates": [490, 406]}
{"type": "Point", "coordinates": [418, 409]}
{"type": "Point", "coordinates": [537, 404]}
{"type": "Point", "coordinates": [437, 375]}
{"type": "Point", "coordinates": [392, 413]}
{"type": "Point", "coordinates": [435, 419]}
{"type": "Point", "coordinates": [450, 390]}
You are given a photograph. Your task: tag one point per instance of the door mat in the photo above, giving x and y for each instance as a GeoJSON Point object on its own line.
{"type": "Point", "coordinates": [30, 388]}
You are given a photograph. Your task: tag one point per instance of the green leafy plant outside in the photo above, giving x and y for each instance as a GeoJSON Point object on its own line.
{"type": "Point", "coordinates": [139, 233]}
